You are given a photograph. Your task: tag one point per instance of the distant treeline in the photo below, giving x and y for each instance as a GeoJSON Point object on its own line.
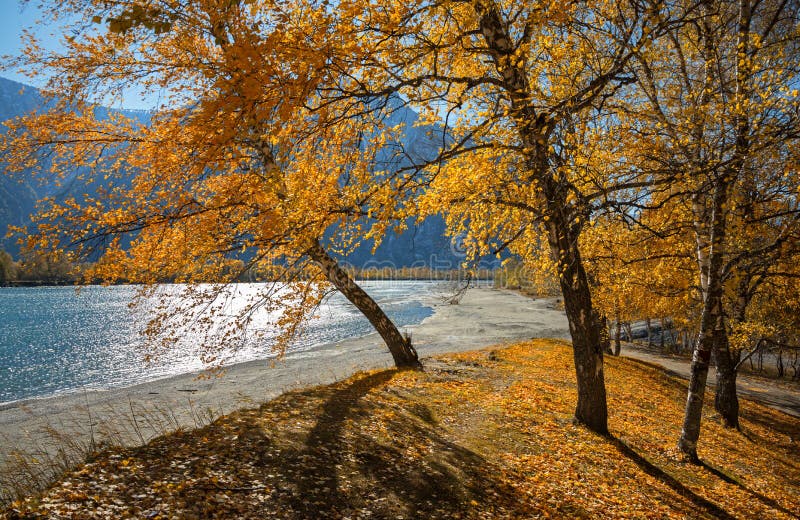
{"type": "Point", "coordinates": [50, 270]}
{"type": "Point", "coordinates": [37, 270]}
{"type": "Point", "coordinates": [420, 273]}
{"type": "Point", "coordinates": [515, 275]}
{"type": "Point", "coordinates": [377, 273]}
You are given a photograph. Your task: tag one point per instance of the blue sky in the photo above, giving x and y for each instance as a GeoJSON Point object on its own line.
{"type": "Point", "coordinates": [13, 18]}
{"type": "Point", "coordinates": [16, 16]}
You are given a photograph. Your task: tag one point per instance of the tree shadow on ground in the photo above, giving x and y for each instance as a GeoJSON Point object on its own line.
{"type": "Point", "coordinates": [654, 471]}
{"type": "Point", "coordinates": [772, 420]}
{"type": "Point", "coordinates": [675, 484]}
{"type": "Point", "coordinates": [730, 480]}
{"type": "Point", "coordinates": [367, 447]}
{"type": "Point", "coordinates": [781, 423]}
{"type": "Point", "coordinates": [353, 449]}
{"type": "Point", "coordinates": [397, 463]}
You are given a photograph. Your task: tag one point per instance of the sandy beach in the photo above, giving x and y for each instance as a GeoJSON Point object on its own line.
{"type": "Point", "coordinates": [138, 413]}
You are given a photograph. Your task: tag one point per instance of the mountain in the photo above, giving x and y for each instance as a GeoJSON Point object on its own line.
{"type": "Point", "coordinates": [422, 244]}
{"type": "Point", "coordinates": [18, 194]}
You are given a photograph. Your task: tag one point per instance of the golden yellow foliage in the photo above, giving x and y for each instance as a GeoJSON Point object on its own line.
{"type": "Point", "coordinates": [243, 166]}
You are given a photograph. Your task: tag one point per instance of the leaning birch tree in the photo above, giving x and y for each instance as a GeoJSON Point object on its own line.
{"type": "Point", "coordinates": [238, 167]}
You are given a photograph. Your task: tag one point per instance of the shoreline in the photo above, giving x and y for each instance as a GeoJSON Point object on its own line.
{"type": "Point", "coordinates": [130, 415]}
{"type": "Point", "coordinates": [428, 300]}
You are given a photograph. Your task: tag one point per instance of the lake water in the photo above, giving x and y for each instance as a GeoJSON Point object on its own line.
{"type": "Point", "coordinates": [54, 339]}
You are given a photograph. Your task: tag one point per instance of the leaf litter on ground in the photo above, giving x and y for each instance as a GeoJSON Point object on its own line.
{"type": "Point", "coordinates": [483, 434]}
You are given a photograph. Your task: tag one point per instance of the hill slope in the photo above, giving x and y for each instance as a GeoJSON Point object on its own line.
{"type": "Point", "coordinates": [477, 435]}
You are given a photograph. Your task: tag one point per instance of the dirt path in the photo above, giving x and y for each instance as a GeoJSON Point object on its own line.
{"type": "Point", "coordinates": [765, 392]}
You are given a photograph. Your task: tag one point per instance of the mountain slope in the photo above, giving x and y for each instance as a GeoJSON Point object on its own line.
{"type": "Point", "coordinates": [421, 245]}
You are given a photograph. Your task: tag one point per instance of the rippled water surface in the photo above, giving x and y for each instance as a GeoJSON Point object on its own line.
{"type": "Point", "coordinates": [54, 340]}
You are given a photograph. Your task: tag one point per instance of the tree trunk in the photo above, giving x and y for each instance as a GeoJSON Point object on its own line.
{"type": "Point", "coordinates": [726, 402]}
{"type": "Point", "coordinates": [710, 328]}
{"type": "Point", "coordinates": [563, 228]}
{"type": "Point", "coordinates": [711, 247]}
{"type": "Point", "coordinates": [618, 341]}
{"type": "Point", "coordinates": [628, 331]}
{"type": "Point", "coordinates": [712, 325]}
{"type": "Point", "coordinates": [690, 433]}
{"type": "Point", "coordinates": [584, 327]}
{"type": "Point", "coordinates": [649, 334]}
{"type": "Point", "coordinates": [404, 354]}
{"type": "Point", "coordinates": [605, 338]}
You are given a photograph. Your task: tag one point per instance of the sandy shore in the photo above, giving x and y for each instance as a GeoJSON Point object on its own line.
{"type": "Point", "coordinates": [484, 317]}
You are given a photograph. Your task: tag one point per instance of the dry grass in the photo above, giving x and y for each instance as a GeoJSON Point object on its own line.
{"type": "Point", "coordinates": [32, 460]}
{"type": "Point", "coordinates": [477, 435]}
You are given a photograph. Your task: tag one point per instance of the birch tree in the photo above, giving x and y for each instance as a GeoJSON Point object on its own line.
{"type": "Point", "coordinates": [233, 170]}
{"type": "Point", "coordinates": [722, 106]}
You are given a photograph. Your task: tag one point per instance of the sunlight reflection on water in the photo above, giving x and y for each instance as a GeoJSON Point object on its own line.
{"type": "Point", "coordinates": [54, 339]}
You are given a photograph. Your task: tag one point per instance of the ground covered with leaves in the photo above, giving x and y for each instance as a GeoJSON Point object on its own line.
{"type": "Point", "coordinates": [485, 434]}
